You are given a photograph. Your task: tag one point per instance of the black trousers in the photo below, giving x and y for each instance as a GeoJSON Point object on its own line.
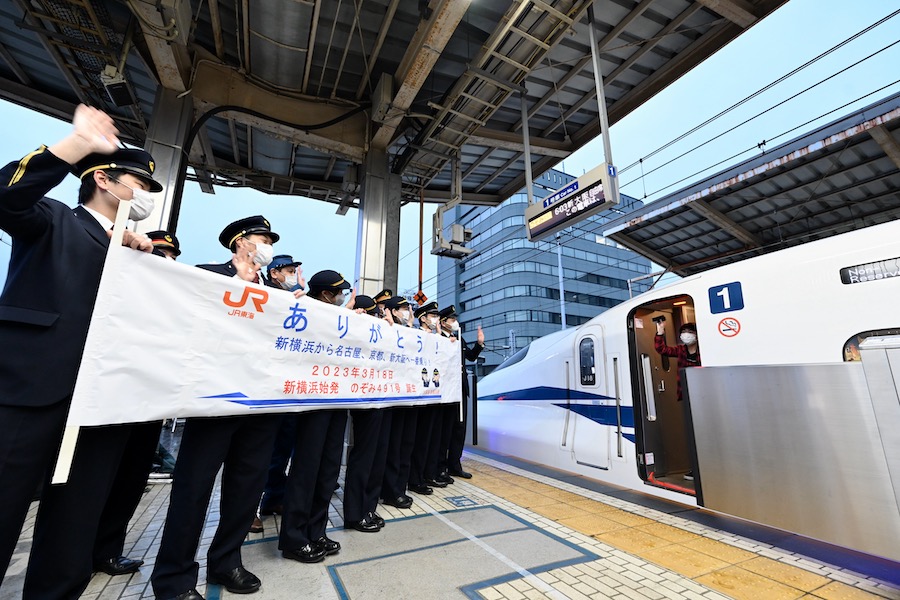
{"type": "Point", "coordinates": [127, 490]}
{"type": "Point", "coordinates": [244, 446]}
{"type": "Point", "coordinates": [28, 444]}
{"type": "Point", "coordinates": [457, 438]}
{"type": "Point", "coordinates": [314, 474]}
{"type": "Point", "coordinates": [359, 495]}
{"type": "Point", "coordinates": [426, 417]}
{"type": "Point", "coordinates": [445, 417]}
{"type": "Point", "coordinates": [282, 451]}
{"type": "Point", "coordinates": [401, 440]}
{"type": "Point", "coordinates": [69, 515]}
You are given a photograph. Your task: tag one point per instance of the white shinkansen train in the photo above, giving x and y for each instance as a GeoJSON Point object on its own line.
{"type": "Point", "coordinates": [599, 401]}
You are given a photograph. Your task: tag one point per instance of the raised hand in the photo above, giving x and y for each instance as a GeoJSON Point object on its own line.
{"type": "Point", "coordinates": [92, 131]}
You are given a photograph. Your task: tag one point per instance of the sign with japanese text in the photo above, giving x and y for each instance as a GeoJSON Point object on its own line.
{"type": "Point", "coordinates": [170, 340]}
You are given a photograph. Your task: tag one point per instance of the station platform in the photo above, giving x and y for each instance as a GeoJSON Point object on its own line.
{"type": "Point", "coordinates": [517, 531]}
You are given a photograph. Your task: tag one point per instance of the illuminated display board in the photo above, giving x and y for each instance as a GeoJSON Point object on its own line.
{"type": "Point", "coordinates": [578, 200]}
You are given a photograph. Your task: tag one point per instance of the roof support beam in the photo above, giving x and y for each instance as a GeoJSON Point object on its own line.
{"type": "Point", "coordinates": [216, 23]}
{"type": "Point", "coordinates": [887, 142]}
{"type": "Point", "coordinates": [220, 85]}
{"type": "Point", "coordinates": [491, 138]}
{"type": "Point", "coordinates": [428, 43]}
{"type": "Point", "coordinates": [14, 66]}
{"type": "Point", "coordinates": [738, 12]}
{"type": "Point", "coordinates": [645, 251]}
{"type": "Point", "coordinates": [725, 223]}
{"type": "Point", "coordinates": [170, 58]}
{"type": "Point", "coordinates": [379, 42]}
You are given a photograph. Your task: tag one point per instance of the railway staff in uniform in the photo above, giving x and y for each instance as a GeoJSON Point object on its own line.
{"type": "Point", "coordinates": [450, 326]}
{"type": "Point", "coordinates": [319, 445]}
{"type": "Point", "coordinates": [436, 443]}
{"type": "Point", "coordinates": [365, 462]}
{"type": "Point", "coordinates": [135, 467]}
{"type": "Point", "coordinates": [402, 433]}
{"type": "Point", "coordinates": [243, 444]}
{"type": "Point", "coordinates": [45, 310]}
{"type": "Point", "coordinates": [687, 353]}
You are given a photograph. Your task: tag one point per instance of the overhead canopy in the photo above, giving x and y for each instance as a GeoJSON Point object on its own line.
{"type": "Point", "coordinates": [838, 178]}
{"type": "Point", "coordinates": [425, 80]}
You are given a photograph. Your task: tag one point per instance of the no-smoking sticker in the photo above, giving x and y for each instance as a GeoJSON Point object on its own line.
{"type": "Point", "coordinates": [729, 327]}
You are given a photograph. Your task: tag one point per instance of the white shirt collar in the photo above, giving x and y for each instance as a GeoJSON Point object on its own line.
{"type": "Point", "coordinates": [104, 221]}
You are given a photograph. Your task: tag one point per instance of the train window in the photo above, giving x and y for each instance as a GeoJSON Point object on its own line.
{"type": "Point", "coordinates": [586, 360]}
{"type": "Point", "coordinates": [851, 346]}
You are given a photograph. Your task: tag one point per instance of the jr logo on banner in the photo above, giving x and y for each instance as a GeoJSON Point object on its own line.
{"type": "Point", "coordinates": [164, 342]}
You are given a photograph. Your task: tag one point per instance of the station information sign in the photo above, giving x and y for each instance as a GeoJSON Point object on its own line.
{"type": "Point", "coordinates": [586, 196]}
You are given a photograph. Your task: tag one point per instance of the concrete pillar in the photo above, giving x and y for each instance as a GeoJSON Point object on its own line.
{"type": "Point", "coordinates": [378, 237]}
{"type": "Point", "coordinates": [172, 120]}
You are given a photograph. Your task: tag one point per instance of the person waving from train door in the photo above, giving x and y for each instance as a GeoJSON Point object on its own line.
{"type": "Point", "coordinates": [687, 353]}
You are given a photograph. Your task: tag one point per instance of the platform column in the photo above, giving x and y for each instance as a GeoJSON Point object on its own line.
{"type": "Point", "coordinates": [378, 238]}
{"type": "Point", "coordinates": [172, 120]}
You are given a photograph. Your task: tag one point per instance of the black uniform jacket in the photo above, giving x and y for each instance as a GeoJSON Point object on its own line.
{"type": "Point", "coordinates": [229, 270]}
{"type": "Point", "coordinates": [54, 271]}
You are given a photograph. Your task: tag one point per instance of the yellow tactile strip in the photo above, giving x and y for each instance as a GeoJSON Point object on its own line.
{"type": "Point", "coordinates": [719, 566]}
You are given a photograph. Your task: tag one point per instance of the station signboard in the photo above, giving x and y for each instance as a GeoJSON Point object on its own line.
{"type": "Point", "coordinates": [586, 196]}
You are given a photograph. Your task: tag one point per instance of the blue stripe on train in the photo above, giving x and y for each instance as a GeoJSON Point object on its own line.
{"type": "Point", "coordinates": [601, 414]}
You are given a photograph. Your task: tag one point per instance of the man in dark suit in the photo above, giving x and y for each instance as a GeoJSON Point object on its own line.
{"type": "Point", "coordinates": [134, 468]}
{"type": "Point", "coordinates": [45, 310]}
{"type": "Point", "coordinates": [450, 327]}
{"type": "Point", "coordinates": [242, 444]}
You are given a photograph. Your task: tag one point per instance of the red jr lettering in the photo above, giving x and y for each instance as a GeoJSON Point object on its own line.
{"type": "Point", "coordinates": [258, 297]}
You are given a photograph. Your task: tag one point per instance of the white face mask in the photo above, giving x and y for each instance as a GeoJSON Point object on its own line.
{"type": "Point", "coordinates": [454, 326]}
{"type": "Point", "coordinates": [404, 314]}
{"type": "Point", "coordinates": [290, 281]}
{"type": "Point", "coordinates": [264, 253]}
{"type": "Point", "coordinates": [340, 298]}
{"type": "Point", "coordinates": [688, 338]}
{"type": "Point", "coordinates": [142, 202]}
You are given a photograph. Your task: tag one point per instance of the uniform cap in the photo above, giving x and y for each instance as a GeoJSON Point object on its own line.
{"type": "Point", "coordinates": [427, 309]}
{"type": "Point", "coordinates": [367, 303]}
{"type": "Point", "coordinates": [383, 295]}
{"type": "Point", "coordinates": [164, 239]}
{"type": "Point", "coordinates": [327, 280]}
{"type": "Point", "coordinates": [395, 302]}
{"type": "Point", "coordinates": [244, 227]}
{"type": "Point", "coordinates": [283, 260]}
{"type": "Point", "coordinates": [128, 160]}
{"type": "Point", "coordinates": [448, 312]}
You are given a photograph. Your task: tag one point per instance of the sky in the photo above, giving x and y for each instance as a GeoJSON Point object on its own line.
{"type": "Point", "coordinates": [794, 34]}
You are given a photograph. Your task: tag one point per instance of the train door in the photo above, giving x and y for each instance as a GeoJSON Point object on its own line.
{"type": "Point", "coordinates": [660, 419]}
{"type": "Point", "coordinates": [591, 438]}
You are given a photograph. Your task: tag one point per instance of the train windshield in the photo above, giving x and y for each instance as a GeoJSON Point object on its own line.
{"type": "Point", "coordinates": [514, 358]}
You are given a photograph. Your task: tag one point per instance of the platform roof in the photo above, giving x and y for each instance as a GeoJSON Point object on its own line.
{"type": "Point", "coordinates": [286, 66]}
{"type": "Point", "coordinates": [840, 177]}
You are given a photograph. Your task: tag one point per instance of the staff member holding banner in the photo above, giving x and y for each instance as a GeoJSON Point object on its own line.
{"type": "Point", "coordinates": [242, 444]}
{"type": "Point", "coordinates": [318, 447]}
{"type": "Point", "coordinates": [450, 327]}
{"type": "Point", "coordinates": [45, 310]}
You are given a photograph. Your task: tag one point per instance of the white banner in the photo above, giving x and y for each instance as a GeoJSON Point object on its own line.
{"type": "Point", "coordinates": [171, 340]}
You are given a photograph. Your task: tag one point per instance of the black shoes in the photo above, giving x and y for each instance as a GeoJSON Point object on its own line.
{"type": "Point", "coordinates": [366, 525]}
{"type": "Point", "coordinates": [375, 518]}
{"type": "Point", "coordinates": [257, 525]}
{"type": "Point", "coordinates": [237, 581]}
{"type": "Point", "coordinates": [328, 545]}
{"type": "Point", "coordinates": [421, 489]}
{"type": "Point", "coordinates": [460, 473]}
{"type": "Point", "coordinates": [444, 477]}
{"type": "Point", "coordinates": [120, 565]}
{"type": "Point", "coordinates": [275, 509]}
{"type": "Point", "coordinates": [402, 501]}
{"type": "Point", "coordinates": [310, 553]}
{"type": "Point", "coordinates": [189, 595]}
{"type": "Point", "coordinates": [434, 483]}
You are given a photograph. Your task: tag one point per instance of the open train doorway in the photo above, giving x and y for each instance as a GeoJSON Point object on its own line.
{"type": "Point", "coordinates": [661, 427]}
